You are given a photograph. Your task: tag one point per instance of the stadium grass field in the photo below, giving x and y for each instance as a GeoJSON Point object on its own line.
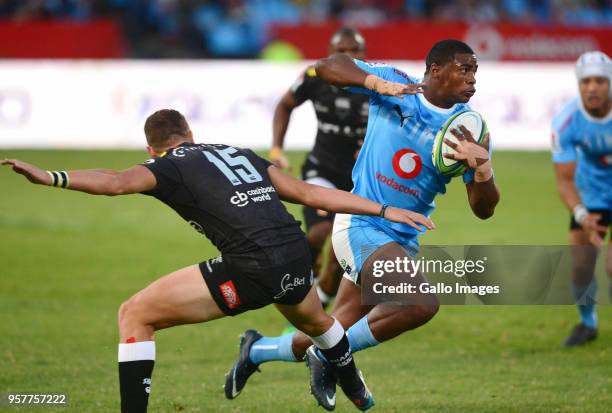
{"type": "Point", "coordinates": [68, 260]}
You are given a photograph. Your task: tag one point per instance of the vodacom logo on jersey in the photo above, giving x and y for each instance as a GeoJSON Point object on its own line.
{"type": "Point", "coordinates": [407, 163]}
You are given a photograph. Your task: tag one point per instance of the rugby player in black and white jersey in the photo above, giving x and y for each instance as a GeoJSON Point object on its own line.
{"type": "Point", "coordinates": [233, 197]}
{"type": "Point", "coordinates": [342, 119]}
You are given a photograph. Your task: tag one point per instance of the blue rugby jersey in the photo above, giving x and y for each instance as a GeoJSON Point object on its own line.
{"type": "Point", "coordinates": [394, 165]}
{"type": "Point", "coordinates": [579, 137]}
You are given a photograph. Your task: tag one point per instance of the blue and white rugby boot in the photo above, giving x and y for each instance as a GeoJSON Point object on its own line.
{"type": "Point", "coordinates": [237, 377]}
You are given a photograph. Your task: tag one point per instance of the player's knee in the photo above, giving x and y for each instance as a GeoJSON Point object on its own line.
{"type": "Point", "coordinates": [429, 311]}
{"type": "Point", "coordinates": [316, 326]}
{"type": "Point", "coordinates": [130, 311]}
{"type": "Point", "coordinates": [425, 312]}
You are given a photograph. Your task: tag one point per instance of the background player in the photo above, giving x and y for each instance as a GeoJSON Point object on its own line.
{"type": "Point", "coordinates": [264, 255]}
{"type": "Point", "coordinates": [582, 153]}
{"type": "Point", "coordinates": [394, 166]}
{"type": "Point", "coordinates": [342, 119]}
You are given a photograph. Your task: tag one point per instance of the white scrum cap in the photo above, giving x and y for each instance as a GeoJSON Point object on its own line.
{"type": "Point", "coordinates": [593, 64]}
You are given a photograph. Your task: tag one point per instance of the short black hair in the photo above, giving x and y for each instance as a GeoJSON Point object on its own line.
{"type": "Point", "coordinates": [444, 51]}
{"type": "Point", "coordinates": [164, 126]}
{"type": "Point", "coordinates": [348, 32]}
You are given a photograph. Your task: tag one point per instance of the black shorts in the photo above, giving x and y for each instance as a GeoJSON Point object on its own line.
{"type": "Point", "coordinates": [605, 220]}
{"type": "Point", "coordinates": [236, 289]}
{"type": "Point", "coordinates": [320, 175]}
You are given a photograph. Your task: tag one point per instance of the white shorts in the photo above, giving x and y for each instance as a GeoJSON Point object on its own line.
{"type": "Point", "coordinates": [355, 239]}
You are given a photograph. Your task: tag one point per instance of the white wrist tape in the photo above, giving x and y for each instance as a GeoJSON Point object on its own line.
{"type": "Point", "coordinates": [580, 213]}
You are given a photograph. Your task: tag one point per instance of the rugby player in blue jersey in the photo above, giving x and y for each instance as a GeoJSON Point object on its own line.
{"type": "Point", "coordinates": [582, 153]}
{"type": "Point", "coordinates": [394, 167]}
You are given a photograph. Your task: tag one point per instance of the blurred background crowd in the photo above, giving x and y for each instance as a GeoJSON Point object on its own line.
{"type": "Point", "coordinates": [242, 28]}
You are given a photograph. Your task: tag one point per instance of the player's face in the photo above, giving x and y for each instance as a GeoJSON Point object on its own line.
{"type": "Point", "coordinates": [458, 77]}
{"type": "Point", "coordinates": [594, 92]}
{"type": "Point", "coordinates": [349, 46]}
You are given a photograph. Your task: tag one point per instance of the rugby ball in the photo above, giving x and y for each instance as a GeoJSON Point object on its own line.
{"type": "Point", "coordinates": [474, 122]}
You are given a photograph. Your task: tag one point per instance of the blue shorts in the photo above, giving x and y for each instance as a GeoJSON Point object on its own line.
{"type": "Point", "coordinates": [355, 239]}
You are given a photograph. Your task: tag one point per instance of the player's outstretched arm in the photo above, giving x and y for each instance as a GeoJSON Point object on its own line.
{"type": "Point", "coordinates": [92, 181]}
{"type": "Point", "coordinates": [333, 200]}
{"type": "Point", "coordinates": [341, 70]}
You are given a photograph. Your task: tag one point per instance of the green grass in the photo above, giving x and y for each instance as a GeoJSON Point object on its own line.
{"type": "Point", "coordinates": [67, 260]}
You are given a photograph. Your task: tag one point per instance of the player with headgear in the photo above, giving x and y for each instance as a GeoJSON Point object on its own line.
{"type": "Point", "coordinates": [582, 155]}
{"type": "Point", "coordinates": [233, 197]}
{"type": "Point", "coordinates": [342, 119]}
{"type": "Point", "coordinates": [394, 167]}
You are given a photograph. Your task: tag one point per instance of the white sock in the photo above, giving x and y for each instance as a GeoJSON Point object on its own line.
{"type": "Point", "coordinates": [330, 338]}
{"type": "Point", "coordinates": [142, 350]}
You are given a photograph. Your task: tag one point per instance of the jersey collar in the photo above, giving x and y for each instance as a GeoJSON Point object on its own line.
{"type": "Point", "coordinates": [435, 108]}
{"type": "Point", "coordinates": [592, 118]}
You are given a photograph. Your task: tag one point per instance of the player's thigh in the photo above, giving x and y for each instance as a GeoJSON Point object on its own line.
{"type": "Point", "coordinates": [319, 231]}
{"type": "Point", "coordinates": [307, 316]}
{"type": "Point", "coordinates": [418, 302]}
{"type": "Point", "coordinates": [403, 312]}
{"type": "Point", "coordinates": [347, 305]}
{"type": "Point", "coordinates": [181, 297]}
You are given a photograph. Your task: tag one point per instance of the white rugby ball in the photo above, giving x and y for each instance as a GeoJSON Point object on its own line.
{"type": "Point", "coordinates": [474, 122]}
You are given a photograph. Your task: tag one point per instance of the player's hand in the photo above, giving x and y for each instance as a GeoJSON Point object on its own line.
{"type": "Point", "coordinates": [384, 87]}
{"type": "Point", "coordinates": [33, 173]}
{"type": "Point", "coordinates": [278, 159]}
{"type": "Point", "coordinates": [411, 218]}
{"type": "Point", "coordinates": [473, 154]}
{"type": "Point", "coordinates": [596, 232]}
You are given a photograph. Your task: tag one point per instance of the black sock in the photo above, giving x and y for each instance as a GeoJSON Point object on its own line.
{"type": "Point", "coordinates": [135, 385]}
{"type": "Point", "coordinates": [343, 365]}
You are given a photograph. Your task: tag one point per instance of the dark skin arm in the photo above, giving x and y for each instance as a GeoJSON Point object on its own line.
{"type": "Point", "coordinates": [341, 70]}
{"type": "Point", "coordinates": [483, 194]}
{"type": "Point", "coordinates": [483, 197]}
{"type": "Point", "coordinates": [280, 122]}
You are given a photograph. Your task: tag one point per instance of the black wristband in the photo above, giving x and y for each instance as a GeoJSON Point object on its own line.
{"type": "Point", "coordinates": [59, 178]}
{"type": "Point", "coordinates": [382, 210]}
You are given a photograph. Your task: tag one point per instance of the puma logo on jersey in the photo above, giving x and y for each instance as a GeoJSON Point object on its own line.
{"type": "Point", "coordinates": [401, 115]}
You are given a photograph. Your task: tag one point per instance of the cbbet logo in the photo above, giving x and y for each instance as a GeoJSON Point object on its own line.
{"type": "Point", "coordinates": [407, 163]}
{"type": "Point", "coordinates": [240, 199]}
